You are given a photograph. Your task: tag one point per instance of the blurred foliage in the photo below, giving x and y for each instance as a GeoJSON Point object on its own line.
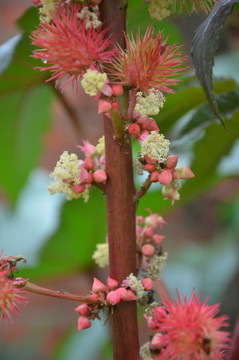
{"type": "Point", "coordinates": [25, 102]}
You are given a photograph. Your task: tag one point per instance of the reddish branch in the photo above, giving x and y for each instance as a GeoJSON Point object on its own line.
{"type": "Point", "coordinates": [58, 294]}
{"type": "Point", "coordinates": [120, 193]}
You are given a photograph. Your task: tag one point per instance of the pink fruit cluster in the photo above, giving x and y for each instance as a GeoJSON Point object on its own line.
{"type": "Point", "coordinates": [105, 296]}
{"type": "Point", "coordinates": [142, 126]}
{"type": "Point", "coordinates": [92, 168]}
{"type": "Point", "coordinates": [168, 175]}
{"type": "Point", "coordinates": [148, 239]}
{"type": "Point", "coordinates": [105, 106]}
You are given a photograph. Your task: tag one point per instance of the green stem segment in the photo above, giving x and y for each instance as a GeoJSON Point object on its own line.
{"type": "Point", "coordinates": [121, 209]}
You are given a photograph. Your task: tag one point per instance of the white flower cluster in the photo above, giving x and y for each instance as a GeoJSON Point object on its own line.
{"type": "Point", "coordinates": [136, 285]}
{"type": "Point", "coordinates": [101, 255]}
{"type": "Point", "coordinates": [90, 16]}
{"type": "Point", "coordinates": [65, 173]}
{"type": "Point", "coordinates": [93, 81]}
{"type": "Point", "coordinates": [101, 146]}
{"type": "Point", "coordinates": [155, 268]}
{"type": "Point", "coordinates": [158, 9]}
{"type": "Point", "coordinates": [150, 104]}
{"type": "Point", "coordinates": [145, 352]}
{"type": "Point", "coordinates": [48, 7]}
{"type": "Point", "coordinates": [156, 147]}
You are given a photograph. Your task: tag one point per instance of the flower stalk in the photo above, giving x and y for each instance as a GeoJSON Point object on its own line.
{"type": "Point", "coordinates": [121, 209]}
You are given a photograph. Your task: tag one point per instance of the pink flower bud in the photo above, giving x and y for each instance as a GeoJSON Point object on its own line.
{"type": "Point", "coordinates": [153, 126]}
{"type": "Point", "coordinates": [82, 309]}
{"type": "Point", "coordinates": [170, 193]}
{"type": "Point", "coordinates": [139, 219]}
{"type": "Point", "coordinates": [94, 297]}
{"type": "Point", "coordinates": [134, 129]}
{"type": "Point", "coordinates": [79, 188]}
{"type": "Point", "coordinates": [149, 160]}
{"type": "Point", "coordinates": [157, 239]}
{"type": "Point", "coordinates": [111, 283]}
{"type": "Point", "coordinates": [147, 250]}
{"type": "Point", "coordinates": [176, 174]}
{"type": "Point", "coordinates": [149, 167]}
{"type": "Point", "coordinates": [157, 341]}
{"type": "Point", "coordinates": [138, 229]}
{"type": "Point", "coordinates": [89, 179]}
{"type": "Point", "coordinates": [122, 292]}
{"type": "Point", "coordinates": [165, 177]}
{"type": "Point", "coordinates": [115, 105]}
{"type": "Point", "coordinates": [113, 297]}
{"type": "Point", "coordinates": [185, 172]}
{"type": "Point", "coordinates": [149, 231]}
{"type": "Point", "coordinates": [106, 90]}
{"type": "Point", "coordinates": [89, 163]}
{"type": "Point", "coordinates": [104, 106]}
{"type": "Point", "coordinates": [117, 90]}
{"type": "Point", "coordinates": [154, 176]}
{"type": "Point", "coordinates": [83, 323]}
{"type": "Point", "coordinates": [102, 160]}
{"type": "Point", "coordinates": [171, 161]}
{"type": "Point", "coordinates": [148, 284]}
{"type": "Point", "coordinates": [143, 136]}
{"type": "Point", "coordinates": [87, 148]}
{"type": "Point", "coordinates": [98, 286]}
{"type": "Point", "coordinates": [130, 296]}
{"type": "Point", "coordinates": [99, 176]}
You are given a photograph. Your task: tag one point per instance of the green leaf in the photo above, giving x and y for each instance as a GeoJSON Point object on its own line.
{"type": "Point", "coordinates": [24, 103]}
{"type": "Point", "coordinates": [208, 151]}
{"type": "Point", "coordinates": [189, 96]}
{"type": "Point", "coordinates": [204, 45]}
{"type": "Point", "coordinates": [24, 121]}
{"type": "Point", "coordinates": [227, 102]}
{"type": "Point", "coordinates": [138, 17]}
{"type": "Point", "coordinates": [82, 227]}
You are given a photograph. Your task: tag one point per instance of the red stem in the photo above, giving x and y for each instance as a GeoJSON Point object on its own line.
{"type": "Point", "coordinates": [121, 209]}
{"type": "Point", "coordinates": [56, 293]}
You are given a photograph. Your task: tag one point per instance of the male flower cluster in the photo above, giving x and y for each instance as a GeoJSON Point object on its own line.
{"type": "Point", "coordinates": [154, 157]}
{"type": "Point", "coordinates": [186, 330]}
{"type": "Point", "coordinates": [108, 296]}
{"type": "Point", "coordinates": [75, 177]}
{"type": "Point", "coordinates": [10, 293]}
{"type": "Point", "coordinates": [159, 9]}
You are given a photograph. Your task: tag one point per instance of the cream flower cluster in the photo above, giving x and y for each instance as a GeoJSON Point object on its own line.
{"type": "Point", "coordinates": [158, 9]}
{"type": "Point", "coordinates": [67, 171]}
{"type": "Point", "coordinates": [101, 255]}
{"type": "Point", "coordinates": [101, 146]}
{"type": "Point", "coordinates": [155, 268]}
{"type": "Point", "coordinates": [136, 285]}
{"type": "Point", "coordinates": [150, 104]}
{"type": "Point", "coordinates": [48, 6]}
{"type": "Point", "coordinates": [156, 147]}
{"type": "Point", "coordinates": [93, 81]}
{"type": "Point", "coordinates": [90, 16]}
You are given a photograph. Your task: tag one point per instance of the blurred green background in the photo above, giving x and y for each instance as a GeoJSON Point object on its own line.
{"type": "Point", "coordinates": [57, 237]}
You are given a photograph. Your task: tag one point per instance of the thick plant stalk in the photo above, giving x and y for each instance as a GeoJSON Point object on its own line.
{"type": "Point", "coordinates": [121, 210]}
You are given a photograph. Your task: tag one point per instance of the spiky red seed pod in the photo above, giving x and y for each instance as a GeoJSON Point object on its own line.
{"type": "Point", "coordinates": [148, 63]}
{"type": "Point", "coordinates": [10, 295]}
{"type": "Point", "coordinates": [68, 48]}
{"type": "Point", "coordinates": [189, 329]}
